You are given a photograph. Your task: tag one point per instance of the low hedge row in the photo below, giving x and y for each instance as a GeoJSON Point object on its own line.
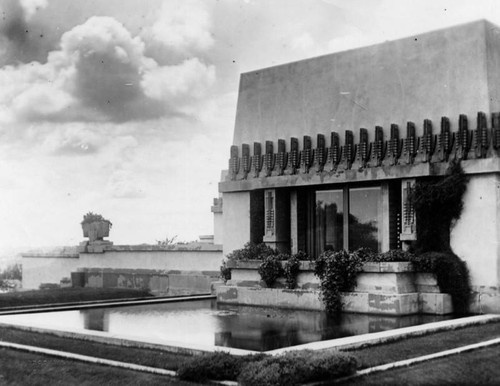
{"type": "Point", "coordinates": [291, 368]}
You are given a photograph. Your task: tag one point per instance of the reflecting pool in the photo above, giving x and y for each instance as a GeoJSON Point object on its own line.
{"type": "Point", "coordinates": [204, 322]}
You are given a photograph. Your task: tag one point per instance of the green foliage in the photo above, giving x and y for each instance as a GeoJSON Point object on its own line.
{"type": "Point", "coordinates": [392, 255]}
{"type": "Point", "coordinates": [297, 367]}
{"type": "Point", "coordinates": [452, 276]}
{"type": "Point", "coordinates": [337, 272]}
{"type": "Point", "coordinates": [12, 272]}
{"type": "Point", "coordinates": [91, 217]}
{"type": "Point", "coordinates": [214, 366]}
{"type": "Point", "coordinates": [252, 251]}
{"type": "Point", "coordinates": [438, 202]}
{"type": "Point", "coordinates": [271, 269]}
{"type": "Point", "coordinates": [291, 271]}
{"type": "Point", "coordinates": [225, 272]}
{"type": "Point", "coordinates": [302, 256]}
{"type": "Point", "coordinates": [167, 242]}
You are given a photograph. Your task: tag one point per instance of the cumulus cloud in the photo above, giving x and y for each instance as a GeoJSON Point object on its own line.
{"type": "Point", "coordinates": [183, 26]}
{"type": "Point", "coordinates": [101, 73]}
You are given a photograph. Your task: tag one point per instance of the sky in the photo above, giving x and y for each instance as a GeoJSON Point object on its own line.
{"type": "Point", "coordinates": [126, 107]}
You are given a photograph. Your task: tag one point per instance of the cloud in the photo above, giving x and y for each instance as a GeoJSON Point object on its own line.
{"type": "Point", "coordinates": [101, 73]}
{"type": "Point", "coordinates": [30, 7]}
{"type": "Point", "coordinates": [183, 26]}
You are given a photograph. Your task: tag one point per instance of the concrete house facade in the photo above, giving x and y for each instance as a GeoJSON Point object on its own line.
{"type": "Point", "coordinates": [326, 150]}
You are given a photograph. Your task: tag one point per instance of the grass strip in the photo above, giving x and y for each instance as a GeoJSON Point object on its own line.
{"type": "Point", "coordinates": [413, 347]}
{"type": "Point", "coordinates": [479, 367]}
{"type": "Point", "coordinates": [68, 295]}
{"type": "Point", "coordinates": [22, 368]}
{"type": "Point", "coordinates": [145, 357]}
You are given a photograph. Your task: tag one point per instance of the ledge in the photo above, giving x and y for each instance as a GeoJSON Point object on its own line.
{"type": "Point", "coordinates": [381, 267]}
{"type": "Point", "coordinates": [475, 166]}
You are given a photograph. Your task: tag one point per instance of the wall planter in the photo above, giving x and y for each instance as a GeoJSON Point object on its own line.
{"type": "Point", "coordinates": [95, 226]}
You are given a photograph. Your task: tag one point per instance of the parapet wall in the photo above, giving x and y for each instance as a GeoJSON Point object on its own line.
{"type": "Point", "coordinates": [51, 268]}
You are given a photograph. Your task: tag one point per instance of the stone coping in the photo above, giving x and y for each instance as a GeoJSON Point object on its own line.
{"type": "Point", "coordinates": [199, 247]}
{"type": "Point", "coordinates": [143, 271]}
{"type": "Point", "coordinates": [380, 267]}
{"type": "Point", "coordinates": [156, 248]}
{"type": "Point", "coordinates": [51, 255]}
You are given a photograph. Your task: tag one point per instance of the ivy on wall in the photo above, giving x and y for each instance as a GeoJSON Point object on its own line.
{"type": "Point", "coordinates": [438, 204]}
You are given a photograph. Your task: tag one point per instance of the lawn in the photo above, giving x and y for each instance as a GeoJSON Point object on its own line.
{"type": "Point", "coordinates": [21, 368]}
{"type": "Point", "coordinates": [423, 345]}
{"type": "Point", "coordinates": [146, 357]}
{"type": "Point", "coordinates": [67, 295]}
{"type": "Point", "coordinates": [478, 367]}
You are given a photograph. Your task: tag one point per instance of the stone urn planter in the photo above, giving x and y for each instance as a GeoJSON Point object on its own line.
{"type": "Point", "coordinates": [95, 227]}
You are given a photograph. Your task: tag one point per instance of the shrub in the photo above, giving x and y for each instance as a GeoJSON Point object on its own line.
{"type": "Point", "coordinates": [452, 276]}
{"type": "Point", "coordinates": [48, 286]}
{"type": "Point", "coordinates": [270, 269]}
{"type": "Point", "coordinates": [302, 256]}
{"type": "Point", "coordinates": [337, 272]}
{"type": "Point", "coordinates": [297, 367]}
{"type": "Point", "coordinates": [252, 251]}
{"type": "Point", "coordinates": [394, 255]}
{"type": "Point", "coordinates": [216, 366]}
{"type": "Point", "coordinates": [291, 271]}
{"type": "Point", "coordinates": [225, 272]}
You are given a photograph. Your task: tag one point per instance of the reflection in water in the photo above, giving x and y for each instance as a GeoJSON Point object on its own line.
{"type": "Point", "coordinates": [206, 323]}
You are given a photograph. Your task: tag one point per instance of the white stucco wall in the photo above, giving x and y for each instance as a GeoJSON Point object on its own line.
{"type": "Point", "coordinates": [475, 237]}
{"type": "Point", "coordinates": [47, 269]}
{"type": "Point", "coordinates": [236, 220]}
{"type": "Point", "coordinates": [161, 260]}
{"type": "Point", "coordinates": [39, 269]}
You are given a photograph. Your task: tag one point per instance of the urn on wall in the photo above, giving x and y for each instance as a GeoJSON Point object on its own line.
{"type": "Point", "coordinates": [95, 227]}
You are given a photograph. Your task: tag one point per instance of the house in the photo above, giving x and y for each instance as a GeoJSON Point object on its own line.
{"type": "Point", "coordinates": [327, 150]}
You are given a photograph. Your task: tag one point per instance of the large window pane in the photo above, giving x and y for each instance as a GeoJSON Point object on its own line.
{"type": "Point", "coordinates": [365, 218]}
{"type": "Point", "coordinates": [329, 220]}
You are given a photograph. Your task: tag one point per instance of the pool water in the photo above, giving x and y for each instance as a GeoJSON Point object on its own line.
{"type": "Point", "coordinates": [206, 323]}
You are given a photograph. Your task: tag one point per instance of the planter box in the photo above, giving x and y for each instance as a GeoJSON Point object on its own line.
{"type": "Point", "coordinates": [96, 230]}
{"type": "Point", "coordinates": [382, 288]}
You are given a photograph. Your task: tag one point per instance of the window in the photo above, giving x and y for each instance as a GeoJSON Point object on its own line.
{"type": "Point", "coordinates": [349, 218]}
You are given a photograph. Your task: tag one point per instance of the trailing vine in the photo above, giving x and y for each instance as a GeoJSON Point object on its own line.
{"type": "Point", "coordinates": [337, 273]}
{"type": "Point", "coordinates": [452, 276]}
{"type": "Point", "coordinates": [270, 270]}
{"type": "Point", "coordinates": [438, 202]}
{"type": "Point", "coordinates": [291, 271]}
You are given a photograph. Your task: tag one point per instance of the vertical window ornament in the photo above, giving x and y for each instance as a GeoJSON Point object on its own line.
{"type": "Point", "coordinates": [409, 219]}
{"type": "Point", "coordinates": [270, 212]}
